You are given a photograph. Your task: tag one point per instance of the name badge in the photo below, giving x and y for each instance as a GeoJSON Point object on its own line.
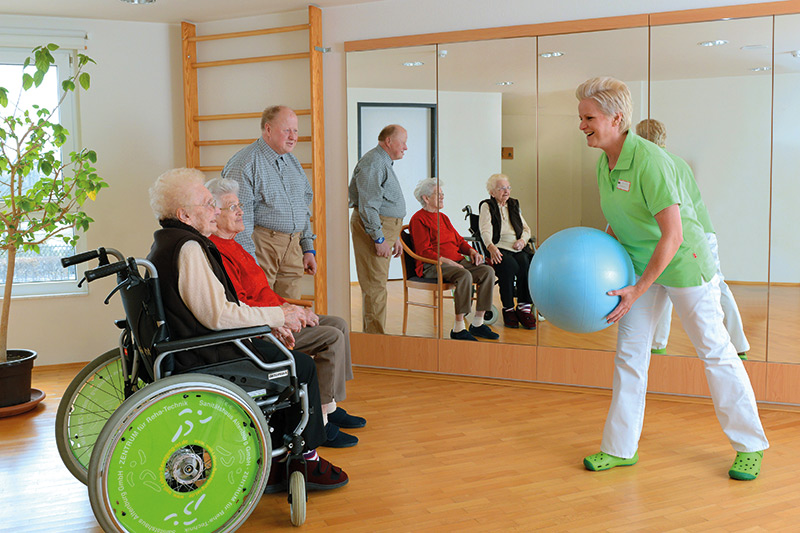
{"type": "Point", "coordinates": [624, 185]}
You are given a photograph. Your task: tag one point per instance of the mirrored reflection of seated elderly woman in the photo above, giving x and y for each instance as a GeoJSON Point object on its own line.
{"type": "Point", "coordinates": [326, 338]}
{"type": "Point", "coordinates": [426, 225]}
{"type": "Point", "coordinates": [199, 298]}
{"type": "Point", "coordinates": [505, 234]}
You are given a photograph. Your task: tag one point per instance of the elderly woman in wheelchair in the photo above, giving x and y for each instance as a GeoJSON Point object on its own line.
{"type": "Point", "coordinates": [201, 407]}
{"type": "Point", "coordinates": [460, 264]}
{"type": "Point", "coordinates": [507, 238]}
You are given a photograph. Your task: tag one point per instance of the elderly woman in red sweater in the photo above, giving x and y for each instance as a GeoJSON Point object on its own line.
{"type": "Point", "coordinates": [326, 338]}
{"type": "Point", "coordinates": [461, 264]}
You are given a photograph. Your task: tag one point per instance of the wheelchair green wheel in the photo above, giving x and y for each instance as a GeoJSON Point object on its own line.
{"type": "Point", "coordinates": [186, 453]}
{"type": "Point", "coordinates": [90, 399]}
{"type": "Point", "coordinates": [297, 498]}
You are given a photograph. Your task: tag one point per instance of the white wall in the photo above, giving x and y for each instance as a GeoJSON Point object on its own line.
{"type": "Point", "coordinates": [132, 118]}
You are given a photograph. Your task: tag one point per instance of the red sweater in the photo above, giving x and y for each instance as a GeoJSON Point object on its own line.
{"type": "Point", "coordinates": [424, 227]}
{"type": "Point", "coordinates": [248, 278]}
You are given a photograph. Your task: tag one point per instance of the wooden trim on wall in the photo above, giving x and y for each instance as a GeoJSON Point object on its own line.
{"type": "Point", "coordinates": [392, 351]}
{"type": "Point", "coordinates": [191, 127]}
{"type": "Point", "coordinates": [725, 12]}
{"type": "Point", "coordinates": [578, 26]}
{"type": "Point", "coordinates": [318, 159]}
{"type": "Point", "coordinates": [506, 32]}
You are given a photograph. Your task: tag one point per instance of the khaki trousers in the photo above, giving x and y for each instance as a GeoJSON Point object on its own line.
{"type": "Point", "coordinates": [281, 258]}
{"type": "Point", "coordinates": [463, 278]}
{"type": "Point", "coordinates": [329, 345]}
{"type": "Point", "coordinates": [373, 271]}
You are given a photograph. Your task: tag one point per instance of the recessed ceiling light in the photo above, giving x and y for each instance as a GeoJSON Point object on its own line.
{"type": "Point", "coordinates": [504, 83]}
{"type": "Point", "coordinates": [718, 42]}
{"type": "Point", "coordinates": [753, 47]}
{"type": "Point", "coordinates": [760, 69]}
{"type": "Point", "coordinates": [442, 53]}
{"type": "Point", "coordinates": [139, 1]}
{"type": "Point", "coordinates": [413, 64]}
{"type": "Point", "coordinates": [551, 54]}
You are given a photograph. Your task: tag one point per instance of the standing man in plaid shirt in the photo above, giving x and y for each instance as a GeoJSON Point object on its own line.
{"type": "Point", "coordinates": [275, 196]}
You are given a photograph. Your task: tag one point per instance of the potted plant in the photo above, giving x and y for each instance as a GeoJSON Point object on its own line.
{"type": "Point", "coordinates": [41, 194]}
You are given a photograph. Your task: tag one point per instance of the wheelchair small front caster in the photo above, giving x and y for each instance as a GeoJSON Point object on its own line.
{"type": "Point", "coordinates": [297, 498]}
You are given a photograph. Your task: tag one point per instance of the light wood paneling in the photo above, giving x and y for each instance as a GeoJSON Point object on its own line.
{"type": "Point", "coordinates": [488, 359]}
{"type": "Point", "coordinates": [782, 383]}
{"type": "Point", "coordinates": [318, 159]}
{"type": "Point", "coordinates": [444, 454]}
{"type": "Point", "coordinates": [191, 127]}
{"type": "Point", "coordinates": [386, 351]}
{"type": "Point", "coordinates": [576, 367]}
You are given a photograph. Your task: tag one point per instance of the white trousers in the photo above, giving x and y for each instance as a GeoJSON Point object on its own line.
{"type": "Point", "coordinates": [701, 315]}
{"type": "Point", "coordinates": [732, 317]}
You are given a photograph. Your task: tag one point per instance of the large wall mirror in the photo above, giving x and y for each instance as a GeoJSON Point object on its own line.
{"type": "Point", "coordinates": [784, 290]}
{"type": "Point", "coordinates": [396, 86]}
{"type": "Point", "coordinates": [729, 105]}
{"type": "Point", "coordinates": [700, 76]}
{"type": "Point", "coordinates": [567, 176]}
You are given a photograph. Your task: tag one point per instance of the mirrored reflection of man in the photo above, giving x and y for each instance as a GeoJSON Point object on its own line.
{"type": "Point", "coordinates": [378, 211]}
{"type": "Point", "coordinates": [275, 196]}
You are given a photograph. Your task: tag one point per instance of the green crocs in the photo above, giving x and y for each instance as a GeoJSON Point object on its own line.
{"type": "Point", "coordinates": [604, 461]}
{"type": "Point", "coordinates": [742, 356]}
{"type": "Point", "coordinates": [746, 466]}
{"type": "Point", "coordinates": [659, 351]}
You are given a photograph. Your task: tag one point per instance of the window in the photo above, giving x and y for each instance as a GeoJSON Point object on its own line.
{"type": "Point", "coordinates": [41, 273]}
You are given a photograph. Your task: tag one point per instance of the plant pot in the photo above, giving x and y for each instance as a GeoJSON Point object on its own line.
{"type": "Point", "coordinates": [15, 377]}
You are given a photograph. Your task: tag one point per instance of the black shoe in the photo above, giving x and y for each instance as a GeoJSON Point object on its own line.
{"type": "Point", "coordinates": [276, 482]}
{"type": "Point", "coordinates": [484, 331]}
{"type": "Point", "coordinates": [338, 439]}
{"type": "Point", "coordinates": [462, 335]}
{"type": "Point", "coordinates": [343, 419]}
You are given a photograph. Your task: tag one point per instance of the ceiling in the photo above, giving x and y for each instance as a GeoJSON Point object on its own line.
{"type": "Point", "coordinates": [161, 10]}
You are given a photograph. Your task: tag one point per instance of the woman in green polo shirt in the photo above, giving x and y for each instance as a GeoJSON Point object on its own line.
{"type": "Point", "coordinates": [648, 212]}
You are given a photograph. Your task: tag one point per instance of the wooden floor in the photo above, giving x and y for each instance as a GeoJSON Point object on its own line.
{"type": "Point", "coordinates": [443, 454]}
{"type": "Point", "coordinates": [781, 305]}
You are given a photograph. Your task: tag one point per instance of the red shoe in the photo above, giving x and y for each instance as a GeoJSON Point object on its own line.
{"type": "Point", "coordinates": [526, 319]}
{"type": "Point", "coordinates": [322, 475]}
{"type": "Point", "coordinates": [510, 319]}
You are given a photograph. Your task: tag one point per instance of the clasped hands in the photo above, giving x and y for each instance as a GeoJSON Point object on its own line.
{"type": "Point", "coordinates": [295, 318]}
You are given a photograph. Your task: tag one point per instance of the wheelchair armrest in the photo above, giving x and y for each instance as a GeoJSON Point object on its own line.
{"type": "Point", "coordinates": [211, 339]}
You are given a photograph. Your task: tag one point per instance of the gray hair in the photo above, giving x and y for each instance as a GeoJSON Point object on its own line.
{"type": "Point", "coordinates": [611, 96]}
{"type": "Point", "coordinates": [168, 193]}
{"type": "Point", "coordinates": [652, 130]}
{"type": "Point", "coordinates": [271, 112]}
{"type": "Point", "coordinates": [491, 183]}
{"type": "Point", "coordinates": [426, 188]}
{"type": "Point", "coordinates": [221, 186]}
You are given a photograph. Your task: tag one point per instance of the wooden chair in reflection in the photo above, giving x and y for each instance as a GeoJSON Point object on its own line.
{"type": "Point", "coordinates": [412, 281]}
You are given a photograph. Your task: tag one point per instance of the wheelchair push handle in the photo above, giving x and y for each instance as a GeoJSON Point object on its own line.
{"type": "Point", "coordinates": [101, 253]}
{"type": "Point", "coordinates": [106, 270]}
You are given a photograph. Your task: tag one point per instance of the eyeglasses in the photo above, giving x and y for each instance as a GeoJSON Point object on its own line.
{"type": "Point", "coordinates": [211, 204]}
{"type": "Point", "coordinates": [232, 208]}
{"type": "Point", "coordinates": [503, 188]}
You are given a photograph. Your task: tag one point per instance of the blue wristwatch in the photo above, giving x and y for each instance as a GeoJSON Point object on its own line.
{"type": "Point", "coordinates": [379, 241]}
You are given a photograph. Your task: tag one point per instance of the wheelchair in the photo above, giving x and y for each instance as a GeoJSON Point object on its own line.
{"type": "Point", "coordinates": [177, 452]}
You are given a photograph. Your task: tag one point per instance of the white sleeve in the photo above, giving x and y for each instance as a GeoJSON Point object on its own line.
{"type": "Point", "coordinates": [204, 295]}
{"type": "Point", "coordinates": [485, 224]}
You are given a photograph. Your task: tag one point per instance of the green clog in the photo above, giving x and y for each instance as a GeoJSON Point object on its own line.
{"type": "Point", "coordinates": [604, 461]}
{"type": "Point", "coordinates": [746, 466]}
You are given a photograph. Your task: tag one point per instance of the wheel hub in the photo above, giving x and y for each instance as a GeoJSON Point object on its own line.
{"type": "Point", "coordinates": [187, 468]}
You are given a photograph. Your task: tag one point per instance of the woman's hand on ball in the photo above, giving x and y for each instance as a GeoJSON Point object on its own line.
{"type": "Point", "coordinates": [627, 295]}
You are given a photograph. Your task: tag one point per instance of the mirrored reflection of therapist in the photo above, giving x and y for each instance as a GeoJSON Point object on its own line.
{"type": "Point", "coordinates": [378, 210]}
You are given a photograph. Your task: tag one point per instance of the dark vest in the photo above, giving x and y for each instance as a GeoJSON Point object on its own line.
{"type": "Point", "coordinates": [513, 215]}
{"type": "Point", "coordinates": [167, 243]}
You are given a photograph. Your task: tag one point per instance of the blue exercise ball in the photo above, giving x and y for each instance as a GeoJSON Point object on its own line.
{"type": "Point", "coordinates": [571, 273]}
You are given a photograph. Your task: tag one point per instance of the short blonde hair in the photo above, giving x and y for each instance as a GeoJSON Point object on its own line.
{"type": "Point", "coordinates": [653, 130]}
{"type": "Point", "coordinates": [611, 95]}
{"type": "Point", "coordinates": [491, 183]}
{"type": "Point", "coordinates": [270, 113]}
{"type": "Point", "coordinates": [168, 193]}
{"type": "Point", "coordinates": [426, 188]}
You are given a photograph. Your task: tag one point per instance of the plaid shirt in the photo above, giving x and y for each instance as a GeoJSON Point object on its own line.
{"type": "Point", "coordinates": [274, 193]}
{"type": "Point", "coordinates": [375, 190]}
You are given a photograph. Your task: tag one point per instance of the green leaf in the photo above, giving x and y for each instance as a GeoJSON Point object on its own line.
{"type": "Point", "coordinates": [68, 85]}
{"type": "Point", "coordinates": [52, 47]}
{"type": "Point", "coordinates": [26, 63]}
{"type": "Point", "coordinates": [3, 96]}
{"type": "Point", "coordinates": [27, 81]}
{"type": "Point", "coordinates": [84, 80]}
{"type": "Point", "coordinates": [46, 168]}
{"type": "Point", "coordinates": [38, 77]}
{"type": "Point", "coordinates": [92, 156]}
